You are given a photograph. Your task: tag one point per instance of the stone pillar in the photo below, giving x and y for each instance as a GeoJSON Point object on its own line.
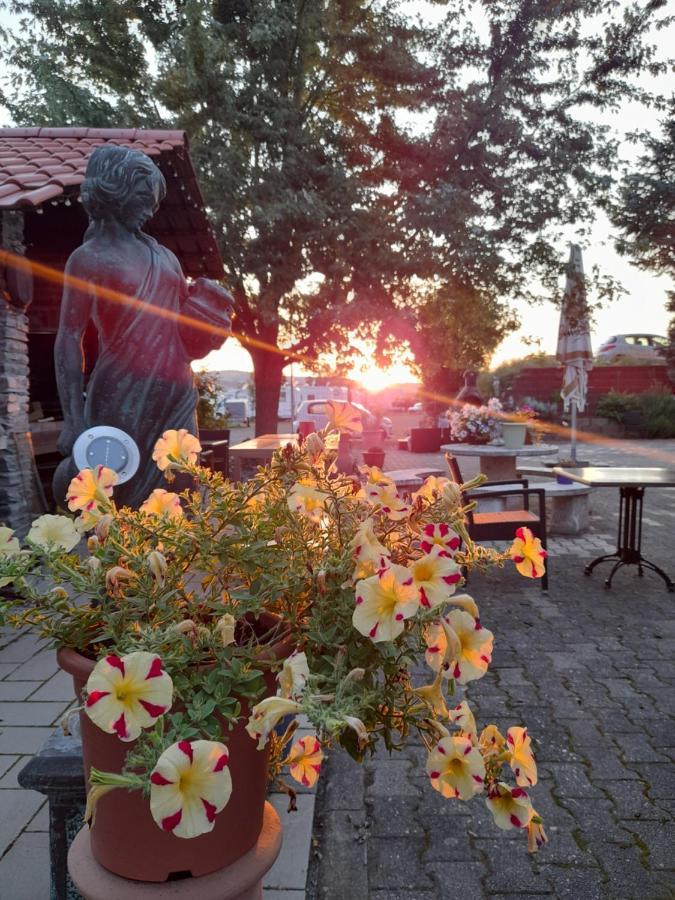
{"type": "Point", "coordinates": [16, 452]}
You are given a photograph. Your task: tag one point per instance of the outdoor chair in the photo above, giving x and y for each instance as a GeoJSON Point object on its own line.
{"type": "Point", "coordinates": [502, 525]}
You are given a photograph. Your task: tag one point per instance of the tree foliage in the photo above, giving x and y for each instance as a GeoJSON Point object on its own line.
{"type": "Point", "coordinates": [349, 154]}
{"type": "Point", "coordinates": [645, 211]}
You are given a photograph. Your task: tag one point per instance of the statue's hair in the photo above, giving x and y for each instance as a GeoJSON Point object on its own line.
{"type": "Point", "coordinates": [112, 176]}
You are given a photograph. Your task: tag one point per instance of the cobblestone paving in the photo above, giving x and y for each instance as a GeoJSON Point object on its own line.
{"type": "Point", "coordinates": [591, 673]}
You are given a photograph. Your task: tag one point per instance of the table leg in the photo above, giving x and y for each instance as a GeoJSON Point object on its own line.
{"type": "Point", "coordinates": [498, 468]}
{"type": "Point", "coordinates": [235, 467]}
{"type": "Point", "coordinates": [629, 539]}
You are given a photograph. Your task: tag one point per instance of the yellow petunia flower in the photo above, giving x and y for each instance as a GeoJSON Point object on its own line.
{"type": "Point", "coordinates": [162, 503]}
{"type": "Point", "coordinates": [307, 501]}
{"type": "Point", "coordinates": [462, 716]}
{"type": "Point", "coordinates": [54, 533]}
{"type": "Point", "coordinates": [344, 417]}
{"type": "Point", "coordinates": [432, 488]}
{"type": "Point", "coordinates": [383, 602]}
{"type": "Point", "coordinates": [456, 768]}
{"type": "Point", "coordinates": [435, 576]}
{"type": "Point", "coordinates": [304, 760]}
{"type": "Point", "coordinates": [510, 807]}
{"type": "Point", "coordinates": [91, 489]}
{"type": "Point", "coordinates": [527, 553]}
{"type": "Point", "coordinates": [536, 836]}
{"type": "Point", "coordinates": [293, 676]}
{"type": "Point", "coordinates": [268, 713]}
{"type": "Point", "coordinates": [176, 448]}
{"type": "Point", "coordinates": [459, 645]}
{"type": "Point", "coordinates": [521, 760]}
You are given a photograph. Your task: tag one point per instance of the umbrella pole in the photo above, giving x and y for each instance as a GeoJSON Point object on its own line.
{"type": "Point", "coordinates": [573, 449]}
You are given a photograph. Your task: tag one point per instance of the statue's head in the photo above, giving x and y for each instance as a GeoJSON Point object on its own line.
{"type": "Point", "coordinates": [122, 184]}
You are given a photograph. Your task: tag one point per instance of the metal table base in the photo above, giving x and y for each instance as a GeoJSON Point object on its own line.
{"type": "Point", "coordinates": [629, 539]}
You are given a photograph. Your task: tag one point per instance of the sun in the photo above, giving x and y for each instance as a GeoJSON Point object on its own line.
{"type": "Point", "coordinates": [374, 379]}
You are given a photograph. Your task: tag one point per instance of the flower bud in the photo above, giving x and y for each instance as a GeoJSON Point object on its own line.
{"type": "Point", "coordinates": [321, 581]}
{"type": "Point", "coordinates": [452, 495]}
{"type": "Point", "coordinates": [93, 564]}
{"type": "Point", "coordinates": [187, 626]}
{"type": "Point", "coordinates": [58, 593]}
{"type": "Point", "coordinates": [157, 565]}
{"type": "Point", "coordinates": [225, 629]}
{"type": "Point", "coordinates": [115, 576]}
{"type": "Point", "coordinates": [102, 527]}
{"type": "Point", "coordinates": [93, 543]}
{"type": "Point", "coordinates": [315, 446]}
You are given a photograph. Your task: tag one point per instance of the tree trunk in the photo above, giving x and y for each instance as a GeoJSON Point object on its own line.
{"type": "Point", "coordinates": [267, 378]}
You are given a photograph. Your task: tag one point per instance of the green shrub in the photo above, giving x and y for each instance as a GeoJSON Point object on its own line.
{"type": "Point", "coordinates": [658, 412]}
{"type": "Point", "coordinates": [612, 406]}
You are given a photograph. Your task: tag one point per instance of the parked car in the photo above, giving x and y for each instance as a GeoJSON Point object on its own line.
{"type": "Point", "coordinates": [635, 346]}
{"type": "Point", "coordinates": [315, 411]}
{"type": "Point", "coordinates": [238, 411]}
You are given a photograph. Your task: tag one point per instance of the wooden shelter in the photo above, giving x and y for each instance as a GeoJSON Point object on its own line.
{"type": "Point", "coordinates": [42, 220]}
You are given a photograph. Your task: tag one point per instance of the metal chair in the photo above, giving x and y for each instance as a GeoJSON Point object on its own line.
{"type": "Point", "coordinates": [502, 525]}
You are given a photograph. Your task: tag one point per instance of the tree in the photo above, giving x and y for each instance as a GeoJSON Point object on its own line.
{"type": "Point", "coordinates": [645, 212]}
{"type": "Point", "coordinates": [283, 103]}
{"type": "Point", "coordinates": [332, 199]}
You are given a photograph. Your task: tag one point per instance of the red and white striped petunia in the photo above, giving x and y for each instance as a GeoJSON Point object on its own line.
{"type": "Point", "coordinates": [304, 760]}
{"type": "Point", "coordinates": [521, 759]}
{"type": "Point", "coordinates": [126, 694]}
{"type": "Point", "coordinates": [456, 768]}
{"type": "Point", "coordinates": [510, 807]}
{"type": "Point", "coordinates": [383, 603]}
{"type": "Point", "coordinates": [441, 535]}
{"type": "Point", "coordinates": [91, 489]}
{"type": "Point", "coordinates": [189, 786]}
{"type": "Point", "coordinates": [436, 577]}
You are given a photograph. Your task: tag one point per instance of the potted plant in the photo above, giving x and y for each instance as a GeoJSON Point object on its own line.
{"type": "Point", "coordinates": [374, 456]}
{"type": "Point", "coordinates": [196, 624]}
{"type": "Point", "coordinates": [475, 424]}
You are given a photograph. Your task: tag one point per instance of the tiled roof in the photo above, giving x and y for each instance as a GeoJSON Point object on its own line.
{"type": "Point", "coordinates": [38, 165]}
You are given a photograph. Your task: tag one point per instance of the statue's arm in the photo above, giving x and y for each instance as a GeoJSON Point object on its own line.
{"type": "Point", "coordinates": [76, 308]}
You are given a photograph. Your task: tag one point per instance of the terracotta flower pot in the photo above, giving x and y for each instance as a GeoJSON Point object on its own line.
{"type": "Point", "coordinates": [374, 458]}
{"type": "Point", "coordinates": [125, 838]}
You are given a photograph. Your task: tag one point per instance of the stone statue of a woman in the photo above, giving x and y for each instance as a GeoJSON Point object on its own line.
{"type": "Point", "coordinates": [150, 322]}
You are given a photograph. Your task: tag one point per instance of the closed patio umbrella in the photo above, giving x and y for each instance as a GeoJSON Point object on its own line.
{"type": "Point", "coordinates": [574, 343]}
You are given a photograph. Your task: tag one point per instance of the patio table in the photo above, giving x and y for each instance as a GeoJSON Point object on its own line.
{"type": "Point", "coordinates": [631, 483]}
{"type": "Point", "coordinates": [496, 461]}
{"type": "Point", "coordinates": [260, 448]}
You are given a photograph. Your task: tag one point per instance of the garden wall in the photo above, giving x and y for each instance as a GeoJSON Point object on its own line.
{"type": "Point", "coordinates": [544, 384]}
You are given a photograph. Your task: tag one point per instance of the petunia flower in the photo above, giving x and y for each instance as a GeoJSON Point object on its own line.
{"type": "Point", "coordinates": [293, 676]}
{"type": "Point", "coordinates": [442, 646]}
{"type": "Point", "coordinates": [442, 536]}
{"type": "Point", "coordinates": [433, 695]}
{"type": "Point", "coordinates": [366, 546]}
{"type": "Point", "coordinates": [308, 501]}
{"type": "Point", "coordinates": [314, 446]}
{"type": "Point", "coordinates": [383, 602]}
{"type": "Point", "coordinates": [91, 489]}
{"type": "Point", "coordinates": [268, 713]}
{"type": "Point", "coordinates": [461, 715]}
{"type": "Point", "coordinates": [359, 729]}
{"type": "Point", "coordinates": [9, 546]}
{"type": "Point", "coordinates": [225, 628]}
{"type": "Point", "coordinates": [304, 760]}
{"type": "Point", "coordinates": [527, 553]}
{"type": "Point", "coordinates": [521, 757]}
{"type": "Point", "coordinates": [162, 503]}
{"type": "Point", "coordinates": [384, 497]}
{"type": "Point", "coordinates": [126, 694]}
{"type": "Point", "coordinates": [435, 577]}
{"type": "Point", "coordinates": [473, 658]}
{"type": "Point", "coordinates": [189, 786]}
{"type": "Point", "coordinates": [452, 496]}
{"type": "Point", "coordinates": [491, 740]}
{"type": "Point", "coordinates": [344, 417]}
{"type": "Point", "coordinates": [54, 533]}
{"type": "Point", "coordinates": [432, 488]}
{"type": "Point", "coordinates": [510, 807]}
{"type": "Point", "coordinates": [536, 836]}
{"type": "Point", "coordinates": [176, 448]}
{"type": "Point", "coordinates": [456, 768]}
{"type": "Point", "coordinates": [9, 543]}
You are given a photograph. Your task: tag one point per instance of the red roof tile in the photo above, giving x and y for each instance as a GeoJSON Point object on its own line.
{"type": "Point", "coordinates": [40, 164]}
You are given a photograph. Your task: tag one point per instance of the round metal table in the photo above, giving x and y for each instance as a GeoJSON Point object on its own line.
{"type": "Point", "coordinates": [496, 461]}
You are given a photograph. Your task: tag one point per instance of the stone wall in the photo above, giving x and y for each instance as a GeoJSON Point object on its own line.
{"type": "Point", "coordinates": [16, 455]}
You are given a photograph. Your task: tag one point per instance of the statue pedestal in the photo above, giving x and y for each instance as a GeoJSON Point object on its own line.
{"type": "Point", "coordinates": [240, 881]}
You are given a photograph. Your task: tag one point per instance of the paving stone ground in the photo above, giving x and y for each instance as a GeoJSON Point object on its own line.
{"type": "Point", "coordinates": [591, 672]}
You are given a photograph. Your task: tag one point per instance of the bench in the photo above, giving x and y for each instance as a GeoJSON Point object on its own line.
{"type": "Point", "coordinates": [569, 506]}
{"type": "Point", "coordinates": [408, 480]}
